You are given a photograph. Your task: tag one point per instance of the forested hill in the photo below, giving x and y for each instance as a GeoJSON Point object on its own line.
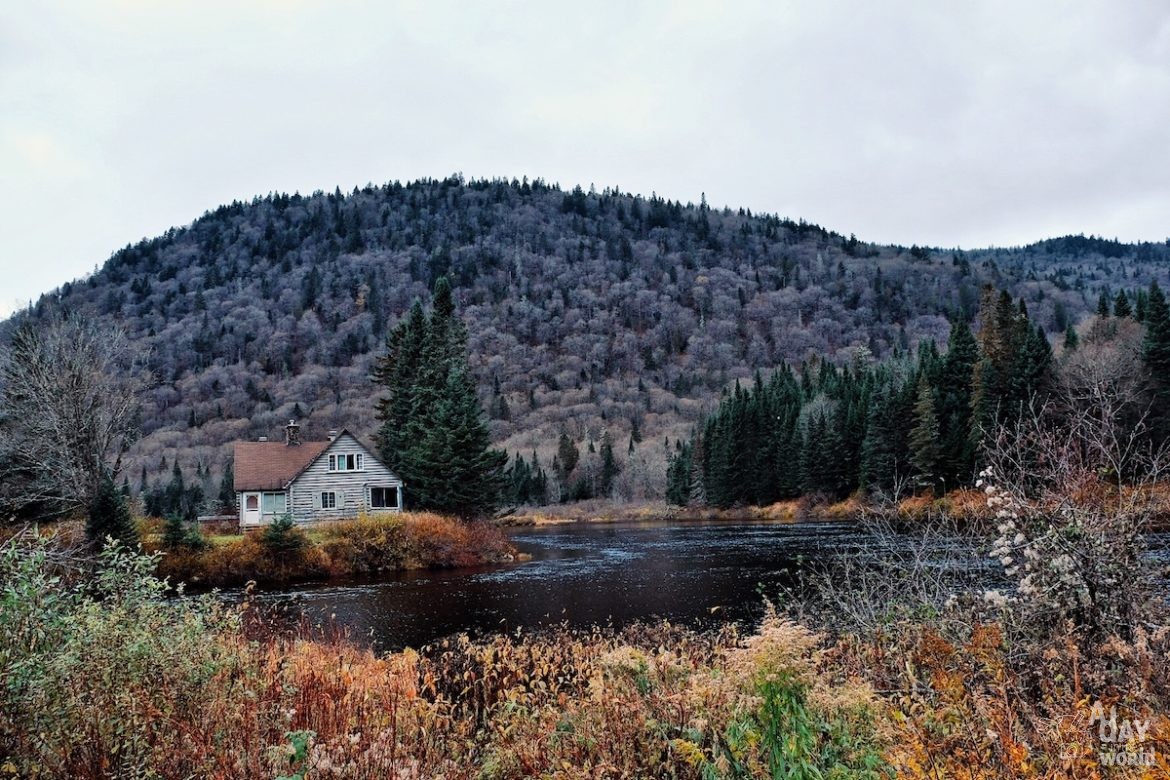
{"type": "Point", "coordinates": [586, 311]}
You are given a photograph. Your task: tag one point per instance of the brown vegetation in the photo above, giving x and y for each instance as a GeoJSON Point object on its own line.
{"type": "Point", "coordinates": [202, 690]}
{"type": "Point", "coordinates": [361, 547]}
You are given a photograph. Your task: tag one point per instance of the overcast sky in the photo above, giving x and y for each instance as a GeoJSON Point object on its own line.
{"type": "Point", "coordinates": [950, 124]}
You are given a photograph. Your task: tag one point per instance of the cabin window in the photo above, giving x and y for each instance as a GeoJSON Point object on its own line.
{"type": "Point", "coordinates": [251, 504]}
{"type": "Point", "coordinates": [351, 462]}
{"type": "Point", "coordinates": [273, 503]}
{"type": "Point", "coordinates": [383, 498]}
{"type": "Point", "coordinates": [328, 500]}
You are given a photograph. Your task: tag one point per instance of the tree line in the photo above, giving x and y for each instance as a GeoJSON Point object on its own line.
{"type": "Point", "coordinates": [572, 297]}
{"type": "Point", "coordinates": [912, 422]}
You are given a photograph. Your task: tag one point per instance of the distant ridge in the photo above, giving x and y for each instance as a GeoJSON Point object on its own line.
{"type": "Point", "coordinates": [587, 310]}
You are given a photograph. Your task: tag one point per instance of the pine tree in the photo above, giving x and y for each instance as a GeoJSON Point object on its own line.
{"type": "Point", "coordinates": [109, 517]}
{"type": "Point", "coordinates": [1103, 304]}
{"type": "Point", "coordinates": [609, 467]}
{"type": "Point", "coordinates": [954, 404]}
{"type": "Point", "coordinates": [1071, 339]}
{"type": "Point", "coordinates": [678, 477]}
{"type": "Point", "coordinates": [399, 372]}
{"type": "Point", "coordinates": [926, 452]}
{"type": "Point", "coordinates": [227, 490]}
{"type": "Point", "coordinates": [1121, 307]}
{"type": "Point", "coordinates": [432, 430]}
{"type": "Point", "coordinates": [567, 455]}
{"type": "Point", "coordinates": [1156, 342]}
{"type": "Point", "coordinates": [1156, 356]}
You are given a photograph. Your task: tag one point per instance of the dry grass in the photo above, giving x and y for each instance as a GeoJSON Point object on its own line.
{"type": "Point", "coordinates": [106, 679]}
{"type": "Point", "coordinates": [966, 507]}
{"type": "Point", "coordinates": [364, 546]}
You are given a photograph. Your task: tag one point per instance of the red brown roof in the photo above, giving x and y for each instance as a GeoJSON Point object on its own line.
{"type": "Point", "coordinates": [270, 465]}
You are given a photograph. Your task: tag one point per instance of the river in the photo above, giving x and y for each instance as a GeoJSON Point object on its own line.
{"type": "Point", "coordinates": [584, 574]}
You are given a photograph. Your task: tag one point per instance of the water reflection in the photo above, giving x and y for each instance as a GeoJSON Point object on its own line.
{"type": "Point", "coordinates": [585, 574]}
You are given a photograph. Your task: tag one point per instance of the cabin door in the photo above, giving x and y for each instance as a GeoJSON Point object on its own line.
{"type": "Point", "coordinates": [251, 509]}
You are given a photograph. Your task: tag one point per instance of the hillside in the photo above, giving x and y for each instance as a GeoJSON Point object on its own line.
{"type": "Point", "coordinates": [586, 311]}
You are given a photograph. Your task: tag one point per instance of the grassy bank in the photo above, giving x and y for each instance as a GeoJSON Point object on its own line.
{"type": "Point", "coordinates": [961, 504]}
{"type": "Point", "coordinates": [365, 546]}
{"type": "Point", "coordinates": [964, 507]}
{"type": "Point", "coordinates": [105, 679]}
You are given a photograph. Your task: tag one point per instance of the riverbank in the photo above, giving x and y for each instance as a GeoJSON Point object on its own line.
{"type": "Point", "coordinates": [363, 547]}
{"type": "Point", "coordinates": [964, 505]}
{"type": "Point", "coordinates": [961, 507]}
{"type": "Point", "coordinates": [106, 679]}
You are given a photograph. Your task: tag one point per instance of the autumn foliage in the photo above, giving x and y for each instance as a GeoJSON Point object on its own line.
{"type": "Point", "coordinates": [367, 545]}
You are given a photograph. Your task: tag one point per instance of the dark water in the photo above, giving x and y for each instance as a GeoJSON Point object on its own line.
{"type": "Point", "coordinates": [582, 574]}
{"type": "Point", "coordinates": [585, 574]}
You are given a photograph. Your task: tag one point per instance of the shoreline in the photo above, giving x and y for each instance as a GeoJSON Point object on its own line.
{"type": "Point", "coordinates": [361, 547]}
{"type": "Point", "coordinates": [967, 508]}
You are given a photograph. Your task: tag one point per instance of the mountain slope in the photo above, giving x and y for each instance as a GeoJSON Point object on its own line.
{"type": "Point", "coordinates": [586, 311]}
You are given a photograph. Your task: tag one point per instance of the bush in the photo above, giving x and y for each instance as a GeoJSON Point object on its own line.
{"type": "Point", "coordinates": [178, 535]}
{"type": "Point", "coordinates": [283, 538]}
{"type": "Point", "coordinates": [109, 517]}
{"type": "Point", "coordinates": [98, 671]}
{"type": "Point", "coordinates": [367, 545]}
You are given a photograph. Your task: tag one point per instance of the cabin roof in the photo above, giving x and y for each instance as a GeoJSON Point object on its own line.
{"type": "Point", "coordinates": [271, 465]}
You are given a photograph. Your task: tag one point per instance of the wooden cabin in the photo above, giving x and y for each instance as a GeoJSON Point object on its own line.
{"type": "Point", "coordinates": [311, 481]}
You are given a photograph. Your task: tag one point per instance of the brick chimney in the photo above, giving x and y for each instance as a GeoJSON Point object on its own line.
{"type": "Point", "coordinates": [292, 433]}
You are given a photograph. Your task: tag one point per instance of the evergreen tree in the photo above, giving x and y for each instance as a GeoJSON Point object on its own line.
{"type": "Point", "coordinates": [678, 477]}
{"type": "Point", "coordinates": [178, 535]}
{"type": "Point", "coordinates": [1103, 304]}
{"type": "Point", "coordinates": [954, 404]}
{"type": "Point", "coordinates": [609, 467]}
{"type": "Point", "coordinates": [432, 431]}
{"type": "Point", "coordinates": [227, 490]}
{"type": "Point", "coordinates": [926, 452]}
{"type": "Point", "coordinates": [1071, 339]}
{"type": "Point", "coordinates": [398, 371]}
{"type": "Point", "coordinates": [567, 455]}
{"type": "Point", "coordinates": [1156, 342]}
{"type": "Point", "coordinates": [1121, 307]}
{"type": "Point", "coordinates": [1156, 356]}
{"type": "Point", "coordinates": [109, 517]}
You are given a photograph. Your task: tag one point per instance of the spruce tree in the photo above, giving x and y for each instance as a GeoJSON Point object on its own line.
{"type": "Point", "coordinates": [1156, 342]}
{"type": "Point", "coordinates": [609, 467]}
{"type": "Point", "coordinates": [1121, 307]}
{"type": "Point", "coordinates": [678, 477]}
{"type": "Point", "coordinates": [227, 490]}
{"type": "Point", "coordinates": [926, 452]}
{"type": "Point", "coordinates": [1103, 304]}
{"type": "Point", "coordinates": [954, 403]}
{"type": "Point", "coordinates": [109, 517]}
{"type": "Point", "coordinates": [1156, 356]}
{"type": "Point", "coordinates": [432, 430]}
{"type": "Point", "coordinates": [567, 456]}
{"type": "Point", "coordinates": [1071, 339]}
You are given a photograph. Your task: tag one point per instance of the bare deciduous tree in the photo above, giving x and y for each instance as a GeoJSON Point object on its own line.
{"type": "Point", "coordinates": [69, 398]}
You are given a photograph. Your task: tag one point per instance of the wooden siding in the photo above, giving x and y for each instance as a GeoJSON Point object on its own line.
{"type": "Point", "coordinates": [352, 487]}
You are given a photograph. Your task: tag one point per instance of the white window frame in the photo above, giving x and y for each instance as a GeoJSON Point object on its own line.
{"type": "Point", "coordinates": [278, 494]}
{"type": "Point", "coordinates": [328, 499]}
{"type": "Point", "coordinates": [340, 462]}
